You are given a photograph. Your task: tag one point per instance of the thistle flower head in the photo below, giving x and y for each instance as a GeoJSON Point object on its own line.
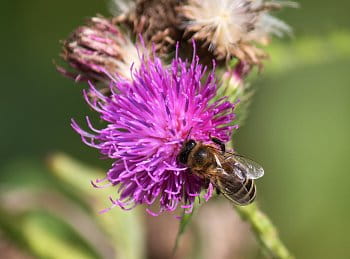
{"type": "Point", "coordinates": [156, 21]}
{"type": "Point", "coordinates": [229, 27]}
{"type": "Point", "coordinates": [99, 44]}
{"type": "Point", "coordinates": [148, 119]}
{"type": "Point", "coordinates": [267, 26]}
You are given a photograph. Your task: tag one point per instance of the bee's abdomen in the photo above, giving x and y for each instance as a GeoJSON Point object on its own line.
{"type": "Point", "coordinates": [247, 192]}
{"type": "Point", "coordinates": [242, 192]}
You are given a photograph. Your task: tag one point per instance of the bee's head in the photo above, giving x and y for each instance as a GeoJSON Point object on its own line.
{"type": "Point", "coordinates": [186, 150]}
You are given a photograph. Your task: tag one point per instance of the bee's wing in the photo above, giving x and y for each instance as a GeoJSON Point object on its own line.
{"type": "Point", "coordinates": [245, 168]}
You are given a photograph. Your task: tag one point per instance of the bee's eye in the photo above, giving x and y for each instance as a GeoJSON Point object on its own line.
{"type": "Point", "coordinates": [190, 144]}
{"type": "Point", "coordinates": [183, 156]}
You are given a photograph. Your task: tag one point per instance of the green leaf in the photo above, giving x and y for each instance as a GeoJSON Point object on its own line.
{"type": "Point", "coordinates": [123, 227]}
{"type": "Point", "coordinates": [45, 235]}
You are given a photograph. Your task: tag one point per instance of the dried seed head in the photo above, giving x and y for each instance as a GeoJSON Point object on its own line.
{"type": "Point", "coordinates": [156, 21]}
{"type": "Point", "coordinates": [97, 48]}
{"type": "Point", "coordinates": [230, 27]}
{"type": "Point", "coordinates": [119, 7]}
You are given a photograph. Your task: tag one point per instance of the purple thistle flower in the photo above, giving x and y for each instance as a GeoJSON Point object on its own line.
{"type": "Point", "coordinates": [148, 119]}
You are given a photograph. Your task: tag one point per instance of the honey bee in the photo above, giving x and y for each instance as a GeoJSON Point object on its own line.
{"type": "Point", "coordinates": [232, 175]}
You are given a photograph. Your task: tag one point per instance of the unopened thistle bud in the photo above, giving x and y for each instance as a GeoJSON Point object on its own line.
{"type": "Point", "coordinates": [156, 20]}
{"type": "Point", "coordinates": [231, 27]}
{"type": "Point", "coordinates": [237, 91]}
{"type": "Point", "coordinates": [99, 48]}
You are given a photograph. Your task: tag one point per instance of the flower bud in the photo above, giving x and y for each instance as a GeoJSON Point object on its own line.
{"type": "Point", "coordinates": [234, 78]}
{"type": "Point", "coordinates": [99, 49]}
{"type": "Point", "coordinates": [237, 91]}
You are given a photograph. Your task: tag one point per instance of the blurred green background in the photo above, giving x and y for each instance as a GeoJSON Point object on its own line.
{"type": "Point", "coordinates": [298, 129]}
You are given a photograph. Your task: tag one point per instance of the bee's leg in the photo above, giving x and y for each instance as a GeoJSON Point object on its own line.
{"type": "Point", "coordinates": [218, 192]}
{"type": "Point", "coordinates": [220, 143]}
{"type": "Point", "coordinates": [206, 182]}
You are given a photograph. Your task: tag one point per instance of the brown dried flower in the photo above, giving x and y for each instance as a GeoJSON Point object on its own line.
{"type": "Point", "coordinates": [156, 20]}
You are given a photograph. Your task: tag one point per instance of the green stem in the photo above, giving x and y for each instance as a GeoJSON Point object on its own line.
{"type": "Point", "coordinates": [183, 224]}
{"type": "Point", "coordinates": [178, 235]}
{"type": "Point", "coordinates": [264, 231]}
{"type": "Point", "coordinates": [185, 219]}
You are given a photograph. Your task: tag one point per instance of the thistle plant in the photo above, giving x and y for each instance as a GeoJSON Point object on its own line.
{"type": "Point", "coordinates": [159, 96]}
{"type": "Point", "coordinates": [148, 119]}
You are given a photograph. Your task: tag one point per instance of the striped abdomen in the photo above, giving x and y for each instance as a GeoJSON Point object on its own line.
{"type": "Point", "coordinates": [240, 191]}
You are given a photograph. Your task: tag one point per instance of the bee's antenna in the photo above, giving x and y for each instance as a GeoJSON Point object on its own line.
{"type": "Point", "coordinates": [189, 133]}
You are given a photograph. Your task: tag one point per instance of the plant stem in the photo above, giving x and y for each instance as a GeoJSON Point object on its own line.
{"type": "Point", "coordinates": [184, 221]}
{"type": "Point", "coordinates": [264, 231]}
